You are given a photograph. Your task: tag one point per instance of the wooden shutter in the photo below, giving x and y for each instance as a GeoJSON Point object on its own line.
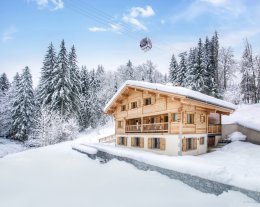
{"type": "Point", "coordinates": [150, 143]}
{"type": "Point", "coordinates": [194, 143]}
{"type": "Point", "coordinates": [138, 103]}
{"type": "Point", "coordinates": [162, 143]}
{"type": "Point", "coordinates": [141, 142]}
{"type": "Point", "coordinates": [118, 140]}
{"type": "Point", "coordinates": [184, 117]}
{"type": "Point", "coordinates": [152, 100]}
{"type": "Point", "coordinates": [184, 144]}
{"type": "Point", "coordinates": [132, 141]}
{"type": "Point", "coordinates": [125, 141]}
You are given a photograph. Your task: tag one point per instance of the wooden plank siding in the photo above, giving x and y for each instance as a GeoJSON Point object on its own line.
{"type": "Point", "coordinates": [162, 104]}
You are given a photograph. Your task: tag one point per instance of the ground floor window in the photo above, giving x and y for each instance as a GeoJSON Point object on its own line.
{"type": "Point", "coordinates": [122, 141]}
{"type": "Point", "coordinates": [189, 144]}
{"type": "Point", "coordinates": [137, 142]}
{"type": "Point", "coordinates": [156, 143]}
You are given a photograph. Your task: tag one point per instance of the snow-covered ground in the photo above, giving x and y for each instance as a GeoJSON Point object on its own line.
{"type": "Point", "coordinates": [9, 146]}
{"type": "Point", "coordinates": [245, 115]}
{"type": "Point", "coordinates": [56, 176]}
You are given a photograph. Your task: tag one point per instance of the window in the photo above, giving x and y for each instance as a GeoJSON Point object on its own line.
{"type": "Point", "coordinates": [120, 124]}
{"type": "Point", "coordinates": [147, 101]}
{"type": "Point", "coordinates": [175, 117]}
{"type": "Point", "coordinates": [189, 144]}
{"type": "Point", "coordinates": [137, 142]}
{"type": "Point", "coordinates": [190, 118]}
{"type": "Point", "coordinates": [202, 118]}
{"type": "Point", "coordinates": [202, 141]}
{"type": "Point", "coordinates": [122, 141]}
{"type": "Point", "coordinates": [123, 108]}
{"type": "Point", "coordinates": [156, 143]}
{"type": "Point", "coordinates": [133, 105]}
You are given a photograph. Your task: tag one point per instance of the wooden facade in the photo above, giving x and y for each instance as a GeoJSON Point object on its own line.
{"type": "Point", "coordinates": [142, 112]}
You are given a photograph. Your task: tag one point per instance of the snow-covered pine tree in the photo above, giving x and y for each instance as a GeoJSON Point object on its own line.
{"type": "Point", "coordinates": [173, 69]}
{"type": "Point", "coordinates": [85, 111]}
{"type": "Point", "coordinates": [61, 98]}
{"type": "Point", "coordinates": [129, 71]}
{"type": "Point", "coordinates": [199, 70]}
{"type": "Point", "coordinates": [182, 69]}
{"type": "Point", "coordinates": [191, 69]}
{"type": "Point", "coordinates": [75, 82]}
{"type": "Point", "coordinates": [46, 86]}
{"type": "Point", "coordinates": [247, 85]}
{"type": "Point", "coordinates": [214, 55]}
{"type": "Point", "coordinates": [23, 107]}
{"type": "Point", "coordinates": [150, 68]}
{"type": "Point", "coordinates": [4, 83]}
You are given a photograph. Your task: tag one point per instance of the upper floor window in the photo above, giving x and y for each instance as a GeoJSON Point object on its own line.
{"type": "Point", "coordinates": [190, 118]}
{"type": "Point", "coordinates": [120, 124]}
{"type": "Point", "coordinates": [175, 117]}
{"type": "Point", "coordinates": [147, 101]}
{"type": "Point", "coordinates": [133, 105]}
{"type": "Point", "coordinates": [123, 108]}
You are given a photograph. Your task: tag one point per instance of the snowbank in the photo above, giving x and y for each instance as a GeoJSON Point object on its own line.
{"type": "Point", "coordinates": [59, 176]}
{"type": "Point", "coordinates": [85, 149]}
{"type": "Point", "coordinates": [175, 90]}
{"type": "Point", "coordinates": [245, 115]}
{"type": "Point", "coordinates": [236, 136]}
{"type": "Point", "coordinates": [221, 166]}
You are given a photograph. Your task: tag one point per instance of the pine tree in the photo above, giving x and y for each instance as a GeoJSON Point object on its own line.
{"type": "Point", "coordinates": [173, 69]}
{"type": "Point", "coordinates": [257, 62]}
{"type": "Point", "coordinates": [4, 83]}
{"type": "Point", "coordinates": [75, 81]}
{"type": "Point", "coordinates": [61, 98]}
{"type": "Point", "coordinates": [182, 69]}
{"type": "Point", "coordinates": [129, 71]}
{"type": "Point", "coordinates": [23, 107]}
{"type": "Point", "coordinates": [248, 85]}
{"type": "Point", "coordinates": [191, 69]}
{"type": "Point", "coordinates": [46, 86]}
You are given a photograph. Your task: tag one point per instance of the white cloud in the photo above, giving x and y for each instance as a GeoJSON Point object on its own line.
{"type": "Point", "coordinates": [9, 34]}
{"type": "Point", "coordinates": [133, 16]}
{"type": "Point", "coordinates": [134, 22]}
{"type": "Point", "coordinates": [143, 12]}
{"type": "Point", "coordinates": [97, 29]}
{"type": "Point", "coordinates": [52, 4]}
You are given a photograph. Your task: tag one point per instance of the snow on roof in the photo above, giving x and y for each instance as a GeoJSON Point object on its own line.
{"type": "Point", "coordinates": [174, 90]}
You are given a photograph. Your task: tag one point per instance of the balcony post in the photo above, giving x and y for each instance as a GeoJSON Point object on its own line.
{"type": "Point", "coordinates": [142, 119]}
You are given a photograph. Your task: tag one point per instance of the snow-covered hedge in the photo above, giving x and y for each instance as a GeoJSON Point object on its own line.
{"type": "Point", "coordinates": [236, 136]}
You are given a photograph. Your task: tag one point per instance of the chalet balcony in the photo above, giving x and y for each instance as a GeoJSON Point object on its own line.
{"type": "Point", "coordinates": [148, 128]}
{"type": "Point", "coordinates": [214, 129]}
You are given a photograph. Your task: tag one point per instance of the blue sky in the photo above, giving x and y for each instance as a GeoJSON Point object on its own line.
{"type": "Point", "coordinates": [108, 32]}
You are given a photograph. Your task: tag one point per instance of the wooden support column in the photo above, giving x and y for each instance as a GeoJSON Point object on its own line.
{"type": "Point", "coordinates": [169, 122]}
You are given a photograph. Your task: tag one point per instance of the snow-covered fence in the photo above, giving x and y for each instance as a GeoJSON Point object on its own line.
{"type": "Point", "coordinates": [196, 182]}
{"type": "Point", "coordinates": [107, 139]}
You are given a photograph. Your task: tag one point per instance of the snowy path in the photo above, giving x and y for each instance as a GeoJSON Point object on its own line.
{"type": "Point", "coordinates": [58, 176]}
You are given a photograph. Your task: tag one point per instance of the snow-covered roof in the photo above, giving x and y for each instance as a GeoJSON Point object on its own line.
{"type": "Point", "coordinates": [178, 90]}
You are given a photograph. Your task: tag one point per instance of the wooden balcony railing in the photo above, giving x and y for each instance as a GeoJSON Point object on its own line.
{"type": "Point", "coordinates": [133, 128]}
{"type": "Point", "coordinates": [156, 127]}
{"type": "Point", "coordinates": [214, 129]}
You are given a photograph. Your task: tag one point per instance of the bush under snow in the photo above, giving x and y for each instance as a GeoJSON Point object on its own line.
{"type": "Point", "coordinates": [236, 136]}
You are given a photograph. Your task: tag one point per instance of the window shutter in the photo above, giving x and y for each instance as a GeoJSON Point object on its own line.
{"type": "Point", "coordinates": [138, 103]}
{"type": "Point", "coordinates": [179, 117]}
{"type": "Point", "coordinates": [184, 117]}
{"type": "Point", "coordinates": [142, 142]}
{"type": "Point", "coordinates": [126, 106]}
{"type": "Point", "coordinates": [194, 143]}
{"type": "Point", "coordinates": [118, 140]}
{"type": "Point", "coordinates": [125, 141]}
{"type": "Point", "coordinates": [162, 143]}
{"type": "Point", "coordinates": [152, 100]}
{"type": "Point", "coordinates": [150, 143]}
{"type": "Point", "coordinates": [184, 146]}
{"type": "Point", "coordinates": [132, 141]}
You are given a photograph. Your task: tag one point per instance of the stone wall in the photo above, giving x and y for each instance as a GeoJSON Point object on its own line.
{"type": "Point", "coordinates": [253, 136]}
